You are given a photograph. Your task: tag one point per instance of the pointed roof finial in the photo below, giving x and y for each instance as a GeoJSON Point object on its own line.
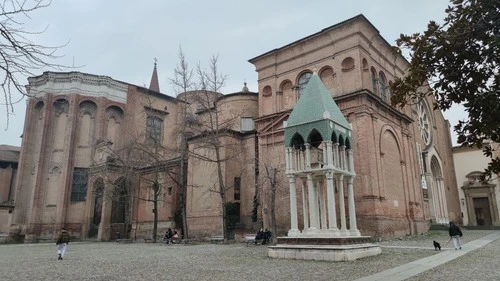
{"type": "Point", "coordinates": [154, 84]}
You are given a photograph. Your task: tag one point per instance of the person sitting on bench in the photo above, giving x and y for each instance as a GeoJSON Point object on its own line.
{"type": "Point", "coordinates": [168, 236]}
{"type": "Point", "coordinates": [175, 237]}
{"type": "Point", "coordinates": [259, 236]}
{"type": "Point", "coordinates": [267, 236]}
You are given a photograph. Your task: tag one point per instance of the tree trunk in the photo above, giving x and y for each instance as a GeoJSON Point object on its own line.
{"type": "Point", "coordinates": [155, 216]}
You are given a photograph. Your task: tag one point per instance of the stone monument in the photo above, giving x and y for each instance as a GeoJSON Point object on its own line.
{"type": "Point", "coordinates": [318, 151]}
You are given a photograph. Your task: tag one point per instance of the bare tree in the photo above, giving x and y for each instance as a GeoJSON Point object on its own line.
{"type": "Point", "coordinates": [271, 186]}
{"type": "Point", "coordinates": [20, 56]}
{"type": "Point", "coordinates": [183, 81]}
{"type": "Point", "coordinates": [144, 163]}
{"type": "Point", "coordinates": [214, 130]}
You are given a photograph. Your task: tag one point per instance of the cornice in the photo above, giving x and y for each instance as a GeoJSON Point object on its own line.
{"type": "Point", "coordinates": [77, 83]}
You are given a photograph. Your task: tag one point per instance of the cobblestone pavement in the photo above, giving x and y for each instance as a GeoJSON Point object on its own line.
{"type": "Point", "coordinates": [111, 261]}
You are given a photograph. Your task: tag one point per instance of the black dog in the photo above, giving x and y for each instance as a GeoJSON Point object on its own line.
{"type": "Point", "coordinates": [437, 246]}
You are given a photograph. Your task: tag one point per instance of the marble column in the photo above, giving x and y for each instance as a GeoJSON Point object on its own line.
{"type": "Point", "coordinates": [343, 226]}
{"type": "Point", "coordinates": [322, 203]}
{"type": "Point", "coordinates": [294, 230]}
{"type": "Point", "coordinates": [353, 227]}
{"type": "Point", "coordinates": [312, 204]}
{"type": "Point", "coordinates": [332, 212]}
{"type": "Point", "coordinates": [305, 207]}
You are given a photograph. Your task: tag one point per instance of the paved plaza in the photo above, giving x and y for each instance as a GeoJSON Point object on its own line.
{"type": "Point", "coordinates": [146, 261]}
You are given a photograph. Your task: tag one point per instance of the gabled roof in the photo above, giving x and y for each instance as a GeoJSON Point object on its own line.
{"type": "Point", "coordinates": [315, 104]}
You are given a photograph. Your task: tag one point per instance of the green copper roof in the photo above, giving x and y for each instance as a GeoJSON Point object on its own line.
{"type": "Point", "coordinates": [314, 104]}
{"type": "Point", "coordinates": [316, 111]}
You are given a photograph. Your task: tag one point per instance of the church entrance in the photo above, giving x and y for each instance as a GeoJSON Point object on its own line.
{"type": "Point", "coordinates": [96, 218]}
{"type": "Point", "coordinates": [482, 211]}
{"type": "Point", "coordinates": [119, 210]}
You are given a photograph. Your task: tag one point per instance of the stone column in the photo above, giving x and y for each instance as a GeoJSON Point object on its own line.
{"type": "Point", "coordinates": [288, 159]}
{"type": "Point", "coordinates": [312, 205]}
{"type": "Point", "coordinates": [322, 203]}
{"type": "Point", "coordinates": [343, 227]}
{"type": "Point", "coordinates": [104, 233]}
{"type": "Point", "coordinates": [308, 156]}
{"type": "Point", "coordinates": [353, 227]}
{"type": "Point", "coordinates": [336, 160]}
{"type": "Point", "coordinates": [332, 212]}
{"type": "Point", "coordinates": [343, 165]}
{"type": "Point", "coordinates": [305, 207]}
{"type": "Point", "coordinates": [329, 154]}
{"type": "Point", "coordinates": [294, 230]}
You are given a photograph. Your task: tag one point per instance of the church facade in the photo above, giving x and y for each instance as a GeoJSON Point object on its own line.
{"type": "Point", "coordinates": [85, 134]}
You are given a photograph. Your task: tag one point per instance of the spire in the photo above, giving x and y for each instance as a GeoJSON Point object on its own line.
{"type": "Point", "coordinates": [154, 85]}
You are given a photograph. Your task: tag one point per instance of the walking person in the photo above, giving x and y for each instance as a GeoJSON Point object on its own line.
{"type": "Point", "coordinates": [455, 234]}
{"type": "Point", "coordinates": [62, 243]}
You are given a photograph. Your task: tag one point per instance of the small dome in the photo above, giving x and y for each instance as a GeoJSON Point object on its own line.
{"type": "Point", "coordinates": [245, 88]}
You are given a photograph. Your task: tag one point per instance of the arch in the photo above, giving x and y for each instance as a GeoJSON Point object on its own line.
{"type": "Point", "coordinates": [114, 111]}
{"type": "Point", "coordinates": [327, 75]}
{"type": "Point", "coordinates": [88, 107]}
{"type": "Point", "coordinates": [297, 141]}
{"type": "Point", "coordinates": [120, 201]}
{"type": "Point", "coordinates": [267, 91]}
{"type": "Point", "coordinates": [393, 188]}
{"type": "Point", "coordinates": [373, 73]}
{"type": "Point", "coordinates": [347, 143]}
{"type": "Point", "coordinates": [364, 63]}
{"type": "Point", "coordinates": [61, 106]}
{"type": "Point", "coordinates": [303, 79]}
{"type": "Point", "coordinates": [341, 140]}
{"type": "Point", "coordinates": [383, 86]}
{"type": "Point", "coordinates": [55, 170]}
{"type": "Point", "coordinates": [334, 138]}
{"type": "Point", "coordinates": [39, 106]}
{"type": "Point", "coordinates": [388, 128]}
{"type": "Point", "coordinates": [435, 167]}
{"type": "Point", "coordinates": [315, 139]}
{"type": "Point", "coordinates": [286, 87]}
{"type": "Point", "coordinates": [347, 64]}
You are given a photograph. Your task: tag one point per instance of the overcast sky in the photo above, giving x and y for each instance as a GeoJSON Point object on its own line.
{"type": "Point", "coordinates": [120, 38]}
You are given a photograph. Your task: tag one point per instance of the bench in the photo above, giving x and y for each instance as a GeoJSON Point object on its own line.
{"type": "Point", "coordinates": [217, 239]}
{"type": "Point", "coordinates": [250, 239]}
{"type": "Point", "coordinates": [148, 239]}
{"type": "Point", "coordinates": [123, 241]}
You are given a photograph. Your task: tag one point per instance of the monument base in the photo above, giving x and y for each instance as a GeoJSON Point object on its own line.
{"type": "Point", "coordinates": [324, 248]}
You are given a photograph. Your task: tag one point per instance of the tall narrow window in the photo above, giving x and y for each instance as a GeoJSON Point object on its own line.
{"type": "Point", "coordinates": [154, 130]}
{"type": "Point", "coordinates": [303, 80]}
{"type": "Point", "coordinates": [237, 188]}
{"type": "Point", "coordinates": [79, 187]}
{"type": "Point", "coordinates": [383, 86]}
{"type": "Point", "coordinates": [246, 124]}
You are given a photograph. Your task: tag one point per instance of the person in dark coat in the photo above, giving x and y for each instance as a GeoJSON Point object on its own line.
{"type": "Point", "coordinates": [455, 234]}
{"type": "Point", "coordinates": [267, 236]}
{"type": "Point", "coordinates": [259, 236]}
{"type": "Point", "coordinates": [62, 243]}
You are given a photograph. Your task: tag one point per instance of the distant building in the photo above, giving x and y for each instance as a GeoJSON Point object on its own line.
{"type": "Point", "coordinates": [9, 158]}
{"type": "Point", "coordinates": [479, 199]}
{"type": "Point", "coordinates": [78, 124]}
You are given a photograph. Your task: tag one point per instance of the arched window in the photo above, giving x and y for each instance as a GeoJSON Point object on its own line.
{"type": "Point", "coordinates": [303, 80]}
{"type": "Point", "coordinates": [383, 86]}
